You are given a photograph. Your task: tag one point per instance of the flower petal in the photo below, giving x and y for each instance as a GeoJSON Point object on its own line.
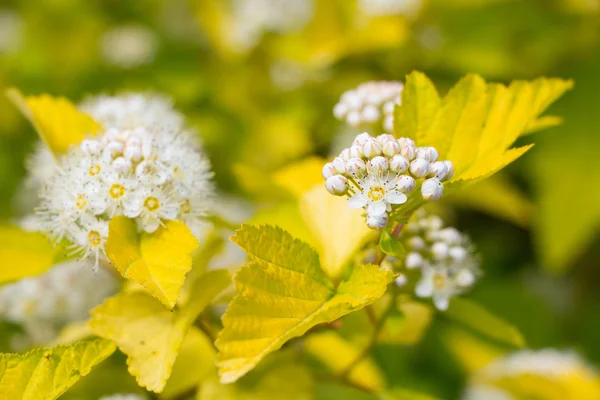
{"type": "Point", "coordinates": [441, 301]}
{"type": "Point", "coordinates": [396, 197]}
{"type": "Point", "coordinates": [376, 208]}
{"type": "Point", "coordinates": [357, 201]}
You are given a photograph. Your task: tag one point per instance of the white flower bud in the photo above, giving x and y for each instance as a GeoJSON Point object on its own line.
{"type": "Point", "coordinates": [378, 165]}
{"type": "Point", "coordinates": [122, 165]}
{"type": "Point", "coordinates": [134, 141]}
{"type": "Point", "coordinates": [388, 123]}
{"type": "Point", "coordinates": [371, 148]}
{"type": "Point", "coordinates": [147, 149]}
{"type": "Point", "coordinates": [458, 254]}
{"type": "Point", "coordinates": [406, 142]}
{"type": "Point", "coordinates": [391, 148]}
{"type": "Point", "coordinates": [345, 154]}
{"type": "Point", "coordinates": [427, 153]}
{"type": "Point", "coordinates": [406, 184]}
{"type": "Point", "coordinates": [377, 222]}
{"type": "Point", "coordinates": [337, 185]}
{"type": "Point", "coordinates": [385, 138]}
{"type": "Point", "coordinates": [361, 139]}
{"type": "Point", "coordinates": [413, 260]}
{"type": "Point", "coordinates": [352, 99]}
{"type": "Point", "coordinates": [356, 152]}
{"type": "Point", "coordinates": [133, 153]}
{"type": "Point", "coordinates": [353, 118]}
{"type": "Point", "coordinates": [408, 151]}
{"type": "Point", "coordinates": [451, 236]}
{"type": "Point", "coordinates": [114, 147]}
{"type": "Point", "coordinates": [340, 110]}
{"type": "Point", "coordinates": [328, 170]}
{"type": "Point", "coordinates": [111, 134]}
{"type": "Point", "coordinates": [370, 114]}
{"type": "Point", "coordinates": [439, 250]}
{"type": "Point", "coordinates": [373, 98]}
{"type": "Point", "coordinates": [399, 164]}
{"type": "Point", "coordinates": [416, 243]}
{"type": "Point", "coordinates": [432, 189]}
{"type": "Point", "coordinates": [401, 280]}
{"type": "Point", "coordinates": [388, 107]}
{"type": "Point", "coordinates": [450, 172]}
{"type": "Point", "coordinates": [340, 165]}
{"type": "Point", "coordinates": [91, 147]}
{"type": "Point", "coordinates": [465, 278]}
{"type": "Point", "coordinates": [438, 170]}
{"type": "Point", "coordinates": [419, 168]}
{"type": "Point", "coordinates": [356, 167]}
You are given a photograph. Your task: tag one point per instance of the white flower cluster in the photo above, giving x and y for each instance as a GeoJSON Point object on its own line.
{"type": "Point", "coordinates": [370, 104]}
{"type": "Point", "coordinates": [378, 8]}
{"type": "Point", "coordinates": [123, 397]}
{"type": "Point", "coordinates": [63, 294]}
{"type": "Point", "coordinates": [444, 257]}
{"type": "Point", "coordinates": [381, 173]}
{"type": "Point", "coordinates": [137, 173]}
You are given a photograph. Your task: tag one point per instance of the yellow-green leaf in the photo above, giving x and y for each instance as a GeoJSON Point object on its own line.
{"type": "Point", "coordinates": [300, 177]}
{"type": "Point", "coordinates": [476, 123]}
{"type": "Point", "coordinates": [339, 230]}
{"type": "Point", "coordinates": [158, 261]}
{"type": "Point", "coordinates": [337, 354]}
{"type": "Point", "coordinates": [148, 333]}
{"type": "Point", "coordinates": [45, 374]}
{"type": "Point", "coordinates": [481, 321]}
{"type": "Point", "coordinates": [281, 295]}
{"type": "Point", "coordinates": [56, 119]}
{"type": "Point", "coordinates": [23, 254]}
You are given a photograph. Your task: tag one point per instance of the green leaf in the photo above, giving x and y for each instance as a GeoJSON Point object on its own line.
{"type": "Point", "coordinates": [150, 334]}
{"type": "Point", "coordinates": [281, 295]}
{"type": "Point", "coordinates": [48, 373]}
{"type": "Point", "coordinates": [23, 254]}
{"type": "Point", "coordinates": [478, 319]}
{"type": "Point", "coordinates": [476, 123]}
{"type": "Point", "coordinates": [391, 245]}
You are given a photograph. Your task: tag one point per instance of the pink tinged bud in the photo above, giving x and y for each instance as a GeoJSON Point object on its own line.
{"type": "Point", "coordinates": [371, 114]}
{"type": "Point", "coordinates": [439, 251]}
{"type": "Point", "coordinates": [419, 168]}
{"type": "Point", "coordinates": [122, 165]}
{"type": "Point", "coordinates": [356, 167]}
{"type": "Point", "coordinates": [353, 118]}
{"type": "Point", "coordinates": [391, 148]}
{"type": "Point", "coordinates": [408, 151]}
{"type": "Point", "coordinates": [371, 148]}
{"type": "Point", "coordinates": [133, 153]}
{"type": "Point", "coordinates": [328, 170]}
{"type": "Point", "coordinates": [356, 152]}
{"type": "Point", "coordinates": [91, 147]}
{"type": "Point", "coordinates": [399, 164]}
{"type": "Point", "coordinates": [340, 110]}
{"type": "Point", "coordinates": [337, 185]}
{"type": "Point", "coordinates": [345, 154]}
{"type": "Point", "coordinates": [438, 170]}
{"type": "Point", "coordinates": [377, 222]}
{"type": "Point", "coordinates": [427, 153]}
{"type": "Point", "coordinates": [458, 254]}
{"type": "Point", "coordinates": [450, 172]}
{"type": "Point", "coordinates": [406, 142]}
{"type": "Point", "coordinates": [340, 165]}
{"type": "Point", "coordinates": [406, 184]}
{"type": "Point", "coordinates": [384, 138]}
{"type": "Point", "coordinates": [465, 278]}
{"type": "Point", "coordinates": [413, 260]}
{"type": "Point", "coordinates": [361, 139]}
{"type": "Point", "coordinates": [378, 165]}
{"type": "Point", "coordinates": [432, 189]}
{"type": "Point", "coordinates": [134, 141]}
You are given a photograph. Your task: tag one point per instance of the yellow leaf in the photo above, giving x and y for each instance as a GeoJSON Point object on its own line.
{"type": "Point", "coordinates": [45, 374]}
{"type": "Point", "coordinates": [476, 123]}
{"type": "Point", "coordinates": [339, 230]}
{"type": "Point", "coordinates": [281, 295]}
{"type": "Point", "coordinates": [23, 254]}
{"type": "Point", "coordinates": [409, 325]}
{"type": "Point", "coordinates": [300, 177]}
{"type": "Point", "coordinates": [158, 261]}
{"type": "Point", "coordinates": [337, 354]}
{"type": "Point", "coordinates": [148, 333]}
{"type": "Point", "coordinates": [56, 119]}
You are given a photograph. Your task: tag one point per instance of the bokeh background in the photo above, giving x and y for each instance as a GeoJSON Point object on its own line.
{"type": "Point", "coordinates": [259, 78]}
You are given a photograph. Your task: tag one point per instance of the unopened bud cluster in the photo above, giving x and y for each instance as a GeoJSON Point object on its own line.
{"type": "Point", "coordinates": [381, 173]}
{"type": "Point", "coordinates": [443, 257]}
{"type": "Point", "coordinates": [371, 103]}
{"type": "Point", "coordinates": [147, 175]}
{"type": "Point", "coordinates": [65, 293]}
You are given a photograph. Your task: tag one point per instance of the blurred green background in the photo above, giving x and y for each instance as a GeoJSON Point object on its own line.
{"type": "Point", "coordinates": [260, 85]}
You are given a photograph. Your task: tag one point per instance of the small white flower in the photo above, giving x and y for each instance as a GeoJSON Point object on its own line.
{"type": "Point", "coordinates": [438, 170]}
{"type": "Point", "coordinates": [432, 189]}
{"type": "Point", "coordinates": [91, 239]}
{"type": "Point", "coordinates": [436, 283]}
{"type": "Point", "coordinates": [391, 148]}
{"type": "Point", "coordinates": [408, 151]}
{"type": "Point", "coordinates": [356, 167]}
{"type": "Point", "coordinates": [337, 185]}
{"type": "Point", "coordinates": [401, 280]}
{"type": "Point", "coordinates": [377, 195]}
{"type": "Point", "coordinates": [361, 139]}
{"type": "Point", "coordinates": [339, 164]}
{"type": "Point", "coordinates": [439, 250]}
{"type": "Point", "coordinates": [430, 154]}
{"type": "Point", "coordinates": [406, 184]}
{"type": "Point", "coordinates": [152, 206]}
{"type": "Point", "coordinates": [413, 260]}
{"type": "Point", "coordinates": [356, 152]}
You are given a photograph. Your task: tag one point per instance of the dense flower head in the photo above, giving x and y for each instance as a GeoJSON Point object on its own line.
{"type": "Point", "coordinates": [441, 259]}
{"type": "Point", "coordinates": [371, 104]}
{"type": "Point", "coordinates": [65, 293]}
{"type": "Point", "coordinates": [381, 173]}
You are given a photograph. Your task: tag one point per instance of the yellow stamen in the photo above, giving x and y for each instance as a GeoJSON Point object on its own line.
{"type": "Point", "coordinates": [94, 238]}
{"type": "Point", "coordinates": [116, 191]}
{"type": "Point", "coordinates": [151, 203]}
{"type": "Point", "coordinates": [81, 202]}
{"type": "Point", "coordinates": [376, 193]}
